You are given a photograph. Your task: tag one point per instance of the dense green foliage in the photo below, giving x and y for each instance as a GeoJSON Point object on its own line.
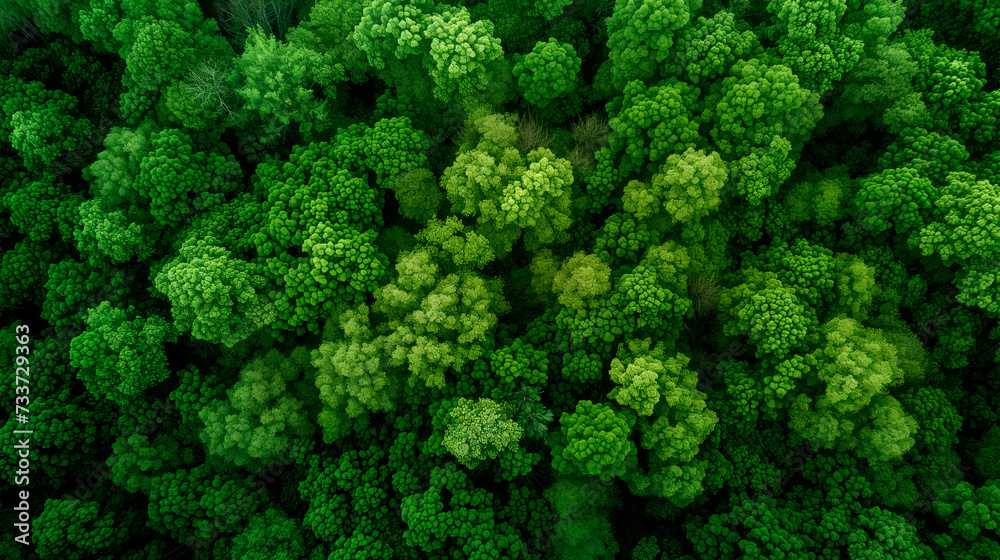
{"type": "Point", "coordinates": [500, 279]}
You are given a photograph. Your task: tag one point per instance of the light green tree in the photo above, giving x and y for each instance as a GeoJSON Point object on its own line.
{"type": "Point", "coordinates": [674, 419]}
{"type": "Point", "coordinates": [460, 51]}
{"type": "Point", "coordinates": [967, 233]}
{"type": "Point", "coordinates": [580, 280]}
{"type": "Point", "coordinates": [480, 431]}
{"type": "Point", "coordinates": [214, 296]}
{"type": "Point", "coordinates": [275, 80]}
{"type": "Point", "coordinates": [436, 322]}
{"type": "Point", "coordinates": [686, 188]}
{"type": "Point", "coordinates": [353, 375]}
{"type": "Point", "coordinates": [510, 193]}
{"type": "Point", "coordinates": [265, 410]}
{"type": "Point", "coordinates": [855, 368]}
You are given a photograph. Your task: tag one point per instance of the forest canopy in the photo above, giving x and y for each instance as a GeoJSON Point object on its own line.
{"type": "Point", "coordinates": [500, 279]}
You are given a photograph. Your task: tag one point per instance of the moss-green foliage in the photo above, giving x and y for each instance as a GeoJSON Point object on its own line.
{"type": "Point", "coordinates": [227, 501]}
{"type": "Point", "coordinates": [757, 102]}
{"type": "Point", "coordinates": [500, 279]}
{"type": "Point", "coordinates": [77, 529]}
{"type": "Point", "coordinates": [419, 307]}
{"type": "Point", "coordinates": [479, 431]}
{"type": "Point", "coordinates": [594, 441]}
{"type": "Point", "coordinates": [966, 232]}
{"type": "Point", "coordinates": [121, 354]}
{"type": "Point", "coordinates": [584, 508]}
{"type": "Point", "coordinates": [508, 192]}
{"type": "Point", "coordinates": [270, 535]}
{"type": "Point", "coordinates": [547, 72]}
{"type": "Point", "coordinates": [686, 188]}
{"type": "Point", "coordinates": [452, 509]}
{"type": "Point", "coordinates": [350, 376]}
{"type": "Point", "coordinates": [316, 243]}
{"type": "Point", "coordinates": [214, 296]}
{"type": "Point", "coordinates": [856, 366]}
{"type": "Point", "coordinates": [768, 312]}
{"type": "Point", "coordinates": [649, 124]}
{"type": "Point", "coordinates": [418, 194]}
{"type": "Point", "coordinates": [580, 280]}
{"type": "Point", "coordinates": [266, 410]}
{"type": "Point", "coordinates": [641, 33]}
